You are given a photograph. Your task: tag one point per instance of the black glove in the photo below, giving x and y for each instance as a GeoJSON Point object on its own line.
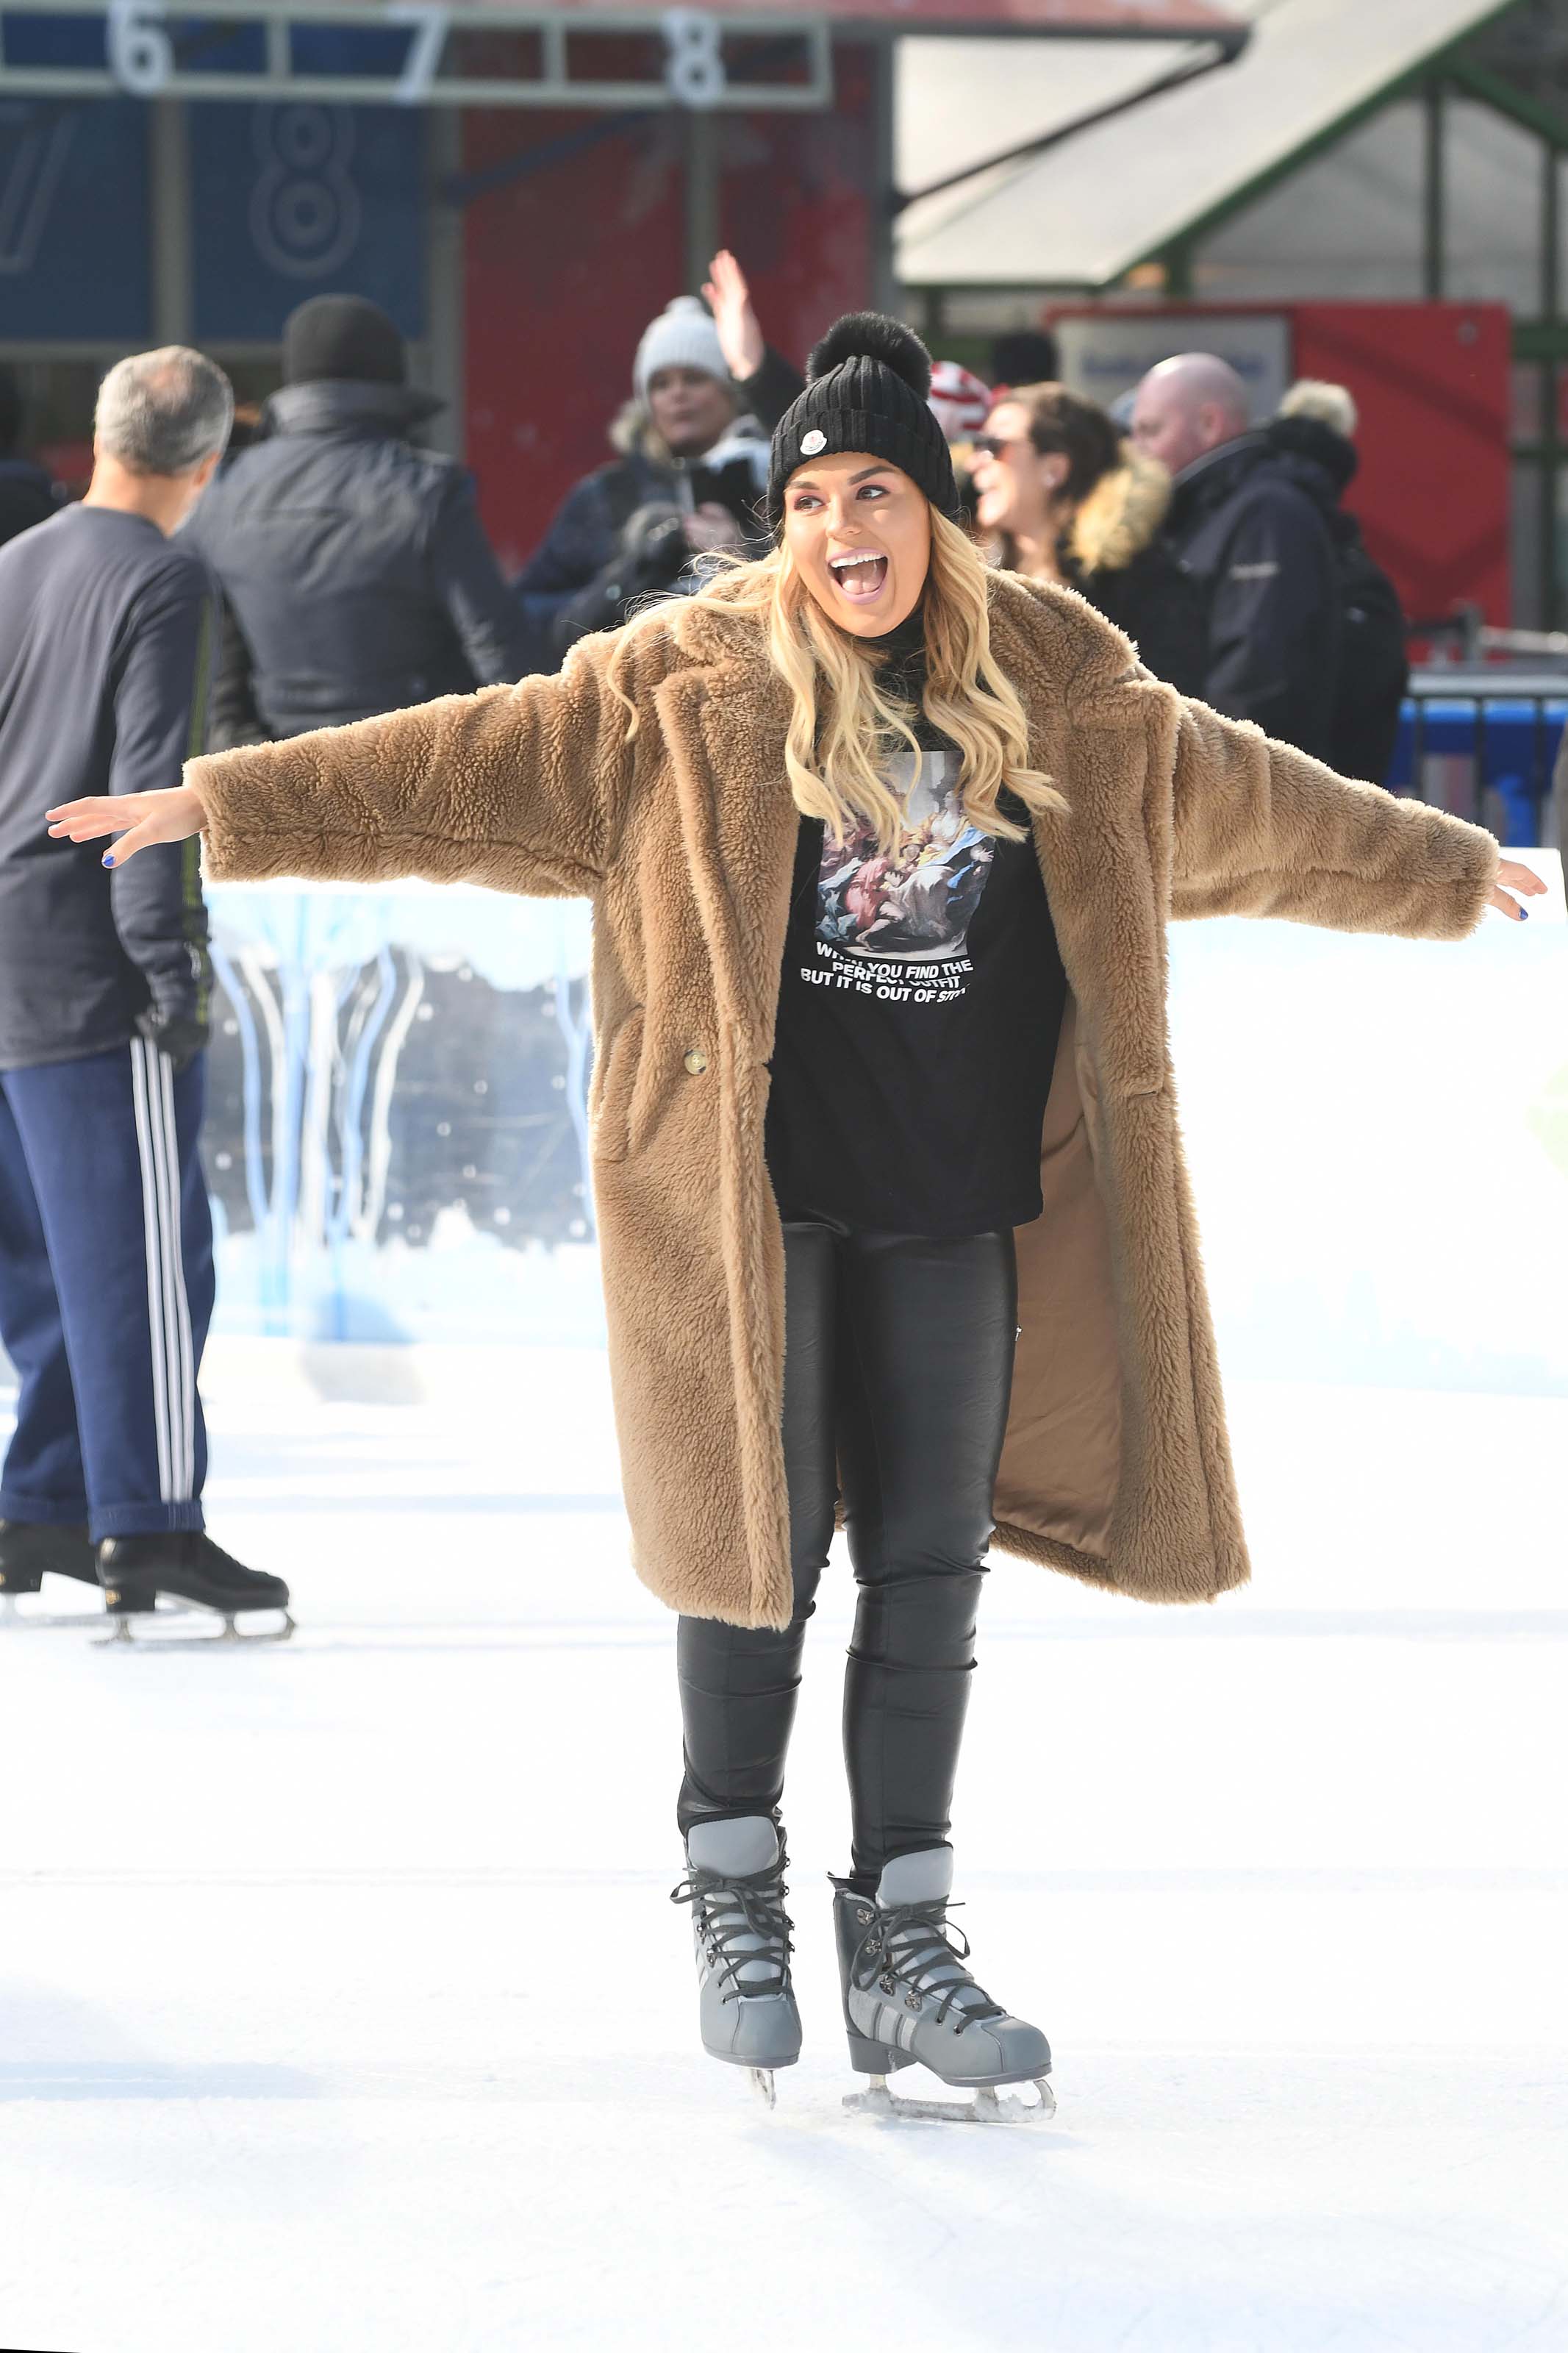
{"type": "Point", "coordinates": [174, 1031]}
{"type": "Point", "coordinates": [653, 549]}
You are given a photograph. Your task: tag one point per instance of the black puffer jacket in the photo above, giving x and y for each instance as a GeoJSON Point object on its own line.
{"type": "Point", "coordinates": [1115, 558]}
{"type": "Point", "coordinates": [1255, 543]}
{"type": "Point", "coordinates": [357, 575]}
{"type": "Point", "coordinates": [618, 537]}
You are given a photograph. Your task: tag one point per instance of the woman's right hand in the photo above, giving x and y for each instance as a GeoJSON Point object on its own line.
{"type": "Point", "coordinates": [140, 818]}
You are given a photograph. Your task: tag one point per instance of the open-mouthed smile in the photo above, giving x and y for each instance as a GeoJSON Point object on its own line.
{"type": "Point", "coordinates": [860, 574]}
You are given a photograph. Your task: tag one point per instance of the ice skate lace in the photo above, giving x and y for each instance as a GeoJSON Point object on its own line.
{"type": "Point", "coordinates": [728, 1905]}
{"type": "Point", "coordinates": [905, 1943]}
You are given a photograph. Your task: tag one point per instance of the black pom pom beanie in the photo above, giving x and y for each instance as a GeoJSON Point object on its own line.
{"type": "Point", "coordinates": [866, 389]}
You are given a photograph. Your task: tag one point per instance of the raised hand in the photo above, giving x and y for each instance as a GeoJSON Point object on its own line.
{"type": "Point", "coordinates": [1521, 877]}
{"type": "Point", "coordinates": [729, 298]}
{"type": "Point", "coordinates": [140, 818]}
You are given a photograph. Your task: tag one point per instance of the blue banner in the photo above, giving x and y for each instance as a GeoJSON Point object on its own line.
{"type": "Point", "coordinates": [291, 200]}
{"type": "Point", "coordinates": [74, 262]}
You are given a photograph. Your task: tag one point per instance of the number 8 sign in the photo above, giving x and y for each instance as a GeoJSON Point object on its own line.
{"type": "Point", "coordinates": [694, 72]}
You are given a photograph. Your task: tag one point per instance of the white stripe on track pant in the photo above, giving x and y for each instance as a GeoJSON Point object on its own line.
{"type": "Point", "coordinates": [106, 1289]}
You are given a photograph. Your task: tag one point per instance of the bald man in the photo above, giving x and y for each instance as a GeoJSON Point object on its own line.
{"type": "Point", "coordinates": [1257, 545]}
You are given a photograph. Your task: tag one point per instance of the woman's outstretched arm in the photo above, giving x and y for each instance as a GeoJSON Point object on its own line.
{"type": "Point", "coordinates": [1258, 828]}
{"type": "Point", "coordinates": [518, 788]}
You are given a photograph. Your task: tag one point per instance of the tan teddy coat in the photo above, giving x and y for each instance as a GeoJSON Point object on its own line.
{"type": "Point", "coordinates": [1116, 1465]}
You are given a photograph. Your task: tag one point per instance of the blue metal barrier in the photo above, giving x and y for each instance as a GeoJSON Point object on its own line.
{"type": "Point", "coordinates": [1512, 741]}
{"type": "Point", "coordinates": [1510, 734]}
{"type": "Point", "coordinates": [1448, 727]}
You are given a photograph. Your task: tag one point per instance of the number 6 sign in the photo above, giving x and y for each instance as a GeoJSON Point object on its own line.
{"type": "Point", "coordinates": [141, 55]}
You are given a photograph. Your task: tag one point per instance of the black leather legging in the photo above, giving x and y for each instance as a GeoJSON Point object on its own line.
{"type": "Point", "coordinates": [898, 1369]}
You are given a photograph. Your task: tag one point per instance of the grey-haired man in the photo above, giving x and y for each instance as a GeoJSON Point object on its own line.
{"type": "Point", "coordinates": [106, 1269]}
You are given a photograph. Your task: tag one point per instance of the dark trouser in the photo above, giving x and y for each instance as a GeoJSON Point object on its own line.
{"type": "Point", "coordinates": [106, 1291]}
{"type": "Point", "coordinates": [898, 1370]}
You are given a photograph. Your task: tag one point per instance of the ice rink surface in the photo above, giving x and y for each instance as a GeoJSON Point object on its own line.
{"type": "Point", "coordinates": [343, 2009]}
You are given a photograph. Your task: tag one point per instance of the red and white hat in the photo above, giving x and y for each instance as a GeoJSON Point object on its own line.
{"type": "Point", "coordinates": [960, 400]}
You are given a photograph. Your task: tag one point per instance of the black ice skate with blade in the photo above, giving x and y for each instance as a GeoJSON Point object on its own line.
{"type": "Point", "coordinates": [740, 1935]}
{"type": "Point", "coordinates": [137, 1572]}
{"type": "Point", "coordinates": [908, 1996]}
{"type": "Point", "coordinates": [31, 1550]}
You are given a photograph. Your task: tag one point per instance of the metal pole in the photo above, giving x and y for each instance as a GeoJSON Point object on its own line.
{"type": "Point", "coordinates": [444, 302]}
{"type": "Point", "coordinates": [1432, 270]}
{"type": "Point", "coordinates": [1550, 453]}
{"type": "Point", "coordinates": [884, 268]}
{"type": "Point", "coordinates": [169, 171]}
{"type": "Point", "coordinates": [701, 194]}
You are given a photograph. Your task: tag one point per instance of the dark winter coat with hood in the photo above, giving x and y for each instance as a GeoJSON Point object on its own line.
{"type": "Point", "coordinates": [355, 570]}
{"type": "Point", "coordinates": [618, 537]}
{"type": "Point", "coordinates": [1116, 1466]}
{"type": "Point", "coordinates": [1374, 668]}
{"type": "Point", "coordinates": [1257, 545]}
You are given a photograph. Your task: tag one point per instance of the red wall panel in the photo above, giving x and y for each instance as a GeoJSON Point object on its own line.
{"type": "Point", "coordinates": [567, 262]}
{"type": "Point", "coordinates": [563, 267]}
{"type": "Point", "coordinates": [796, 206]}
{"type": "Point", "coordinates": [1431, 381]}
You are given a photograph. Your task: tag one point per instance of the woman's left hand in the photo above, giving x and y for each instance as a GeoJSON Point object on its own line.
{"type": "Point", "coordinates": [739, 330]}
{"type": "Point", "coordinates": [140, 819]}
{"type": "Point", "coordinates": [1518, 878]}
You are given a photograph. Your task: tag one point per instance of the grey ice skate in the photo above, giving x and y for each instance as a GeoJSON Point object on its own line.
{"type": "Point", "coordinates": [908, 1995]}
{"type": "Point", "coordinates": [740, 1933]}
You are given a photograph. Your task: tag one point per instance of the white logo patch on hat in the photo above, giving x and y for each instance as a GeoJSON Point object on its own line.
{"type": "Point", "coordinates": [812, 442]}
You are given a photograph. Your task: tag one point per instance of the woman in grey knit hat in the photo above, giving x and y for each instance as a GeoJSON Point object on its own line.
{"type": "Point", "coordinates": [690, 463]}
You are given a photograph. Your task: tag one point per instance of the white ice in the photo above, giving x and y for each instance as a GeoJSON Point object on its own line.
{"type": "Point", "coordinates": [342, 2008]}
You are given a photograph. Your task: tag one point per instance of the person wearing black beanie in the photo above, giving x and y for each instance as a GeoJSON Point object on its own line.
{"type": "Point", "coordinates": [343, 339]}
{"type": "Point", "coordinates": [356, 574]}
{"type": "Point", "coordinates": [874, 1250]}
{"type": "Point", "coordinates": [868, 389]}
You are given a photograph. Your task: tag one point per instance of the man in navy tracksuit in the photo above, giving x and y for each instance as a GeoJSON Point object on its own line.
{"type": "Point", "coordinates": [106, 1265]}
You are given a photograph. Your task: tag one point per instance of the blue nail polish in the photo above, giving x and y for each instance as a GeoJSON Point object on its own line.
{"type": "Point", "coordinates": [109, 857]}
{"type": "Point", "coordinates": [1524, 914]}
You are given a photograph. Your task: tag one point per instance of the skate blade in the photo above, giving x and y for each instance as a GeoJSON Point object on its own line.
{"type": "Point", "coordinates": [229, 1635]}
{"type": "Point", "coordinates": [761, 2079]}
{"type": "Point", "coordinates": [987, 2106]}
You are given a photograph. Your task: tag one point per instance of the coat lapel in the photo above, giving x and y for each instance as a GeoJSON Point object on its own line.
{"type": "Point", "coordinates": [725, 723]}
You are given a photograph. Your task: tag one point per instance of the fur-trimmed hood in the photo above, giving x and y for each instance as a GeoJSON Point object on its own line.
{"type": "Point", "coordinates": [1116, 1466]}
{"type": "Point", "coordinates": [632, 433]}
{"type": "Point", "coordinates": [1122, 515]}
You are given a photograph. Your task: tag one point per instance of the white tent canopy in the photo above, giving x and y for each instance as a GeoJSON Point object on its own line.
{"type": "Point", "coordinates": [1084, 212]}
{"type": "Point", "coordinates": [959, 103]}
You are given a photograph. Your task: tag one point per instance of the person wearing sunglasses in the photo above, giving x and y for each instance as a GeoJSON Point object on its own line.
{"type": "Point", "coordinates": [1061, 497]}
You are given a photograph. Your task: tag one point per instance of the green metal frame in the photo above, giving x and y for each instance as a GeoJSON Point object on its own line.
{"type": "Point", "coordinates": [1543, 341]}
{"type": "Point", "coordinates": [1411, 82]}
{"type": "Point", "coordinates": [1446, 70]}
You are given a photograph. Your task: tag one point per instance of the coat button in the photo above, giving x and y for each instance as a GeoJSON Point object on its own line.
{"type": "Point", "coordinates": [697, 1061]}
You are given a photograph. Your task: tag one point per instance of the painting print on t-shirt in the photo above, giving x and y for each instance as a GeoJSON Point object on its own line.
{"type": "Point", "coordinates": [911, 906]}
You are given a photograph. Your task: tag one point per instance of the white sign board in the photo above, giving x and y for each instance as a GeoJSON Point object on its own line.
{"type": "Point", "coordinates": [1106, 353]}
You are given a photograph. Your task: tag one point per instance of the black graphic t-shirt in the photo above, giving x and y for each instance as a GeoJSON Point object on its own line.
{"type": "Point", "coordinates": [920, 1006]}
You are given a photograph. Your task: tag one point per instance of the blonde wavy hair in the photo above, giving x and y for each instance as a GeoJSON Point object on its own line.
{"type": "Point", "coordinates": [843, 726]}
